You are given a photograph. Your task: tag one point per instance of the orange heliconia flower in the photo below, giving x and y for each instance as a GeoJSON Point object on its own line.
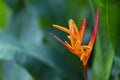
{"type": "Point", "coordinates": [76, 37]}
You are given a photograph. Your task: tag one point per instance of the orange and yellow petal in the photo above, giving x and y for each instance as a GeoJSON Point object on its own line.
{"type": "Point", "coordinates": [82, 30]}
{"type": "Point", "coordinates": [73, 28]}
{"type": "Point", "coordinates": [62, 28]}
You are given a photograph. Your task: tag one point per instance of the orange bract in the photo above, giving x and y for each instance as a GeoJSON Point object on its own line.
{"type": "Point", "coordinates": [76, 37]}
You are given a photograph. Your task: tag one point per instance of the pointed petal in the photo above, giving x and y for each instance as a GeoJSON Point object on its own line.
{"type": "Point", "coordinates": [62, 28]}
{"type": "Point", "coordinates": [72, 42]}
{"type": "Point", "coordinates": [93, 37]}
{"type": "Point", "coordinates": [73, 27]}
{"type": "Point", "coordinates": [68, 47]}
{"type": "Point", "coordinates": [82, 30]}
{"type": "Point", "coordinates": [85, 47]}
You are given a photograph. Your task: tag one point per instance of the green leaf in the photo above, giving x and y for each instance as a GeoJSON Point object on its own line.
{"type": "Point", "coordinates": [8, 46]}
{"type": "Point", "coordinates": [12, 71]}
{"type": "Point", "coordinates": [103, 57]}
{"type": "Point", "coordinates": [4, 14]}
{"type": "Point", "coordinates": [115, 72]}
{"type": "Point", "coordinates": [1, 71]}
{"type": "Point", "coordinates": [107, 44]}
{"type": "Point", "coordinates": [109, 13]}
{"type": "Point", "coordinates": [12, 49]}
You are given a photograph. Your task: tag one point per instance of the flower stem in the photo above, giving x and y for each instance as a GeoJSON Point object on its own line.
{"type": "Point", "coordinates": [85, 71]}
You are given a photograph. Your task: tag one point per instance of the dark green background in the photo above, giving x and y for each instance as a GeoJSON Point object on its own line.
{"type": "Point", "coordinates": [28, 52]}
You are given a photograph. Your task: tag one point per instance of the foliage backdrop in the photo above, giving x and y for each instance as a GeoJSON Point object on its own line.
{"type": "Point", "coordinates": [28, 52]}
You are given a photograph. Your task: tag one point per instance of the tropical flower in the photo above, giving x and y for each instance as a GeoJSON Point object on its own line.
{"type": "Point", "coordinates": [75, 46]}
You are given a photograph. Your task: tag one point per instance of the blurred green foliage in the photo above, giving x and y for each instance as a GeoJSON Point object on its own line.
{"type": "Point", "coordinates": [28, 52]}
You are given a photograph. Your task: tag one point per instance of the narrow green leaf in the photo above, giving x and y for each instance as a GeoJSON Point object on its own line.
{"type": "Point", "coordinates": [109, 13]}
{"type": "Point", "coordinates": [103, 58]}
{"type": "Point", "coordinates": [1, 71]}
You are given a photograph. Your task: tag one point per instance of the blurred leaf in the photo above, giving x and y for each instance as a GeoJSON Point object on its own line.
{"type": "Point", "coordinates": [115, 72]}
{"type": "Point", "coordinates": [8, 46]}
{"type": "Point", "coordinates": [4, 14]}
{"type": "Point", "coordinates": [109, 12]}
{"type": "Point", "coordinates": [107, 39]}
{"type": "Point", "coordinates": [103, 58]}
{"type": "Point", "coordinates": [12, 71]}
{"type": "Point", "coordinates": [28, 45]}
{"type": "Point", "coordinates": [12, 49]}
{"type": "Point", "coordinates": [24, 28]}
{"type": "Point", "coordinates": [1, 71]}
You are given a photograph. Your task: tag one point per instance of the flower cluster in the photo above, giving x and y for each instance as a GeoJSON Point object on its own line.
{"type": "Point", "coordinates": [75, 46]}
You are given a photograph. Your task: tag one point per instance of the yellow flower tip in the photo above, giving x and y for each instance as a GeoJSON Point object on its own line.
{"type": "Point", "coordinates": [73, 28]}
{"type": "Point", "coordinates": [54, 25]}
{"type": "Point", "coordinates": [70, 20]}
{"type": "Point", "coordinates": [61, 28]}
